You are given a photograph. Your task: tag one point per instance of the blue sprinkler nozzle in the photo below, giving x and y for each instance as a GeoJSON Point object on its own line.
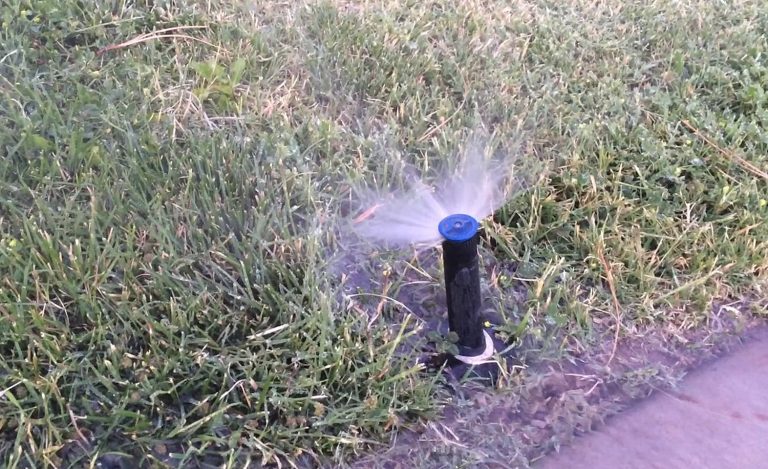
{"type": "Point", "coordinates": [458, 227]}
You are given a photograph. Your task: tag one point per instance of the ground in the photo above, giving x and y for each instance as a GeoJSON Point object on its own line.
{"type": "Point", "coordinates": [177, 284]}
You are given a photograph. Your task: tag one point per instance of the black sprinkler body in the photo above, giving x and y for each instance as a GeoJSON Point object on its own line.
{"type": "Point", "coordinates": [462, 281]}
{"type": "Point", "coordinates": [476, 345]}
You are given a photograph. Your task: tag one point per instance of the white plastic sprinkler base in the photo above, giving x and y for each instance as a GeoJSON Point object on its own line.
{"type": "Point", "coordinates": [483, 357]}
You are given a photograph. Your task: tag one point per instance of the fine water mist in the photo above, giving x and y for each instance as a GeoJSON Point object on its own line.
{"type": "Point", "coordinates": [476, 184]}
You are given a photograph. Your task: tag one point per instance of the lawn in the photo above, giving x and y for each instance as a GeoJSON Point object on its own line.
{"type": "Point", "coordinates": [176, 179]}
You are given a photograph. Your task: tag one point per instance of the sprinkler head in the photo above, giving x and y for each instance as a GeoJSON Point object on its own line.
{"type": "Point", "coordinates": [458, 228]}
{"type": "Point", "coordinates": [477, 346]}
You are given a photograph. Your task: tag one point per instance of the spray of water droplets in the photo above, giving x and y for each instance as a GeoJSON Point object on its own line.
{"type": "Point", "coordinates": [477, 187]}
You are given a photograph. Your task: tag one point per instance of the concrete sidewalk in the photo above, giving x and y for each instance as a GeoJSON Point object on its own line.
{"type": "Point", "coordinates": [717, 418]}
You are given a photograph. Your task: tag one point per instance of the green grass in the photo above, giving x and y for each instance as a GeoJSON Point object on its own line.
{"type": "Point", "coordinates": [166, 206]}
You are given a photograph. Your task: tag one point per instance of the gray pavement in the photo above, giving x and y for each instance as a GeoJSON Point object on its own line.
{"type": "Point", "coordinates": [716, 419]}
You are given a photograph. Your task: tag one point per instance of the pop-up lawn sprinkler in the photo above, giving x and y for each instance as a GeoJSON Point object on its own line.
{"type": "Point", "coordinates": [424, 215]}
{"type": "Point", "coordinates": [478, 349]}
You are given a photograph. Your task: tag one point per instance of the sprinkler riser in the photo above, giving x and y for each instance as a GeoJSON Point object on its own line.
{"type": "Point", "coordinates": [479, 351]}
{"type": "Point", "coordinates": [462, 289]}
